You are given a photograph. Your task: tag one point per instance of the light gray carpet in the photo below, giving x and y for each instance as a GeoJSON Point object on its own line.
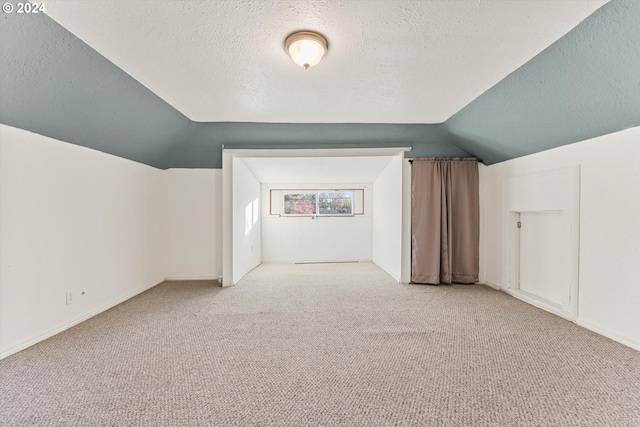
{"type": "Point", "coordinates": [322, 345]}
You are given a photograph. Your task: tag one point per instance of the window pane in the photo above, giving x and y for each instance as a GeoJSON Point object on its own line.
{"type": "Point", "coordinates": [300, 204]}
{"type": "Point", "coordinates": [335, 203]}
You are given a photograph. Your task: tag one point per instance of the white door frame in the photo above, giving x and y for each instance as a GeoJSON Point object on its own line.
{"type": "Point", "coordinates": [227, 194]}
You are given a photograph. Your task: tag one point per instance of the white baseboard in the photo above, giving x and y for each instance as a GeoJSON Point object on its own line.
{"type": "Point", "coordinates": [528, 298]}
{"type": "Point", "coordinates": [582, 323]}
{"type": "Point", "coordinates": [187, 278]}
{"type": "Point", "coordinates": [314, 261]}
{"type": "Point", "coordinates": [77, 320]}
{"type": "Point", "coordinates": [241, 275]}
{"type": "Point", "coordinates": [491, 285]}
{"type": "Point", "coordinates": [611, 335]}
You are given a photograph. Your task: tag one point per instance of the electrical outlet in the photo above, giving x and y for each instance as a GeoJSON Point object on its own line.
{"type": "Point", "coordinates": [70, 299]}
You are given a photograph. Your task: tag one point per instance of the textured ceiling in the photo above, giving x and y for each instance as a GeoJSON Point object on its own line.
{"type": "Point", "coordinates": [123, 95]}
{"type": "Point", "coordinates": [316, 170]}
{"type": "Point", "coordinates": [394, 61]}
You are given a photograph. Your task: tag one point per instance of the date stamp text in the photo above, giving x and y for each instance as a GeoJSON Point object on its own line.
{"type": "Point", "coordinates": [24, 8]}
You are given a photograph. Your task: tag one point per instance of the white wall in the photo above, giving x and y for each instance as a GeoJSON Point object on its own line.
{"type": "Point", "coordinates": [71, 218]}
{"type": "Point", "coordinates": [609, 271]}
{"type": "Point", "coordinates": [387, 219]}
{"type": "Point", "coordinates": [300, 239]}
{"type": "Point", "coordinates": [246, 228]}
{"type": "Point", "coordinates": [193, 223]}
{"type": "Point", "coordinates": [527, 199]}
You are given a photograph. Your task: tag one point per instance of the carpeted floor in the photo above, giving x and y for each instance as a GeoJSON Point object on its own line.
{"type": "Point", "coordinates": [322, 345]}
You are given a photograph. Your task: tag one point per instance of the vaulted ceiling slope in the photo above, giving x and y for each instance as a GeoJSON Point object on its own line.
{"type": "Point", "coordinates": [584, 85]}
{"type": "Point", "coordinates": [389, 61]}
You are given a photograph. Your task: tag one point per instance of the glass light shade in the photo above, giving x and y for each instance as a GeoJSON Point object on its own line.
{"type": "Point", "coordinates": [306, 48]}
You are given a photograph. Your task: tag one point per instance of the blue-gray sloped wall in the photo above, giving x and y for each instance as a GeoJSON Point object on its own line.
{"type": "Point", "coordinates": [54, 84]}
{"type": "Point", "coordinates": [584, 85]}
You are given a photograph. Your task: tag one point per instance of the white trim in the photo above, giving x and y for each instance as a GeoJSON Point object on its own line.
{"type": "Point", "coordinates": [510, 239]}
{"type": "Point", "coordinates": [582, 323]}
{"type": "Point", "coordinates": [405, 259]}
{"type": "Point", "coordinates": [482, 189]}
{"type": "Point", "coordinates": [538, 302]}
{"type": "Point", "coordinates": [228, 156]}
{"type": "Point", "coordinates": [77, 320]}
{"type": "Point", "coordinates": [315, 261]}
{"type": "Point", "coordinates": [227, 217]}
{"type": "Point", "coordinates": [611, 335]}
{"type": "Point", "coordinates": [491, 285]}
{"type": "Point", "coordinates": [187, 278]}
{"type": "Point", "coordinates": [316, 152]}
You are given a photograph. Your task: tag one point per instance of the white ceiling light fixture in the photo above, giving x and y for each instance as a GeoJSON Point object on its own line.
{"type": "Point", "coordinates": [306, 48]}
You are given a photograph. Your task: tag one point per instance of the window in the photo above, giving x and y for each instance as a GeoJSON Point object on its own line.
{"type": "Point", "coordinates": [299, 204]}
{"type": "Point", "coordinates": [322, 203]}
{"type": "Point", "coordinates": [335, 203]}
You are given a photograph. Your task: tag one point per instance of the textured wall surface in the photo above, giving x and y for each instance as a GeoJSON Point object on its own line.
{"type": "Point", "coordinates": [584, 85]}
{"type": "Point", "coordinates": [55, 85]}
{"type": "Point", "coordinates": [203, 148]}
{"type": "Point", "coordinates": [587, 84]}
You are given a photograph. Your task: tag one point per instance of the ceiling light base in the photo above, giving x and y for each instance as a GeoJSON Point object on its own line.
{"type": "Point", "coordinates": [306, 48]}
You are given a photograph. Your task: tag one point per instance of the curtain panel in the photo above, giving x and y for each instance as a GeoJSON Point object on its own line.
{"type": "Point", "coordinates": [445, 221]}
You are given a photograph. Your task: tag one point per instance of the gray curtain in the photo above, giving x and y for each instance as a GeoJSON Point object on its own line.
{"type": "Point", "coordinates": [445, 221]}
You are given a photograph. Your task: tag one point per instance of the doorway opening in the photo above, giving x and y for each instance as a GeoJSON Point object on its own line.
{"type": "Point", "coordinates": [251, 175]}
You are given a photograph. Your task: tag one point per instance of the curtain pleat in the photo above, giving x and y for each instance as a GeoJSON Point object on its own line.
{"type": "Point", "coordinates": [445, 221]}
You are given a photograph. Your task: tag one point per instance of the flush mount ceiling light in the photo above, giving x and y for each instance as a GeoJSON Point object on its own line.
{"type": "Point", "coordinates": [306, 48]}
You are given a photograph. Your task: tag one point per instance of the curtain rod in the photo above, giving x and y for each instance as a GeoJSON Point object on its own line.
{"type": "Point", "coordinates": [448, 158]}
